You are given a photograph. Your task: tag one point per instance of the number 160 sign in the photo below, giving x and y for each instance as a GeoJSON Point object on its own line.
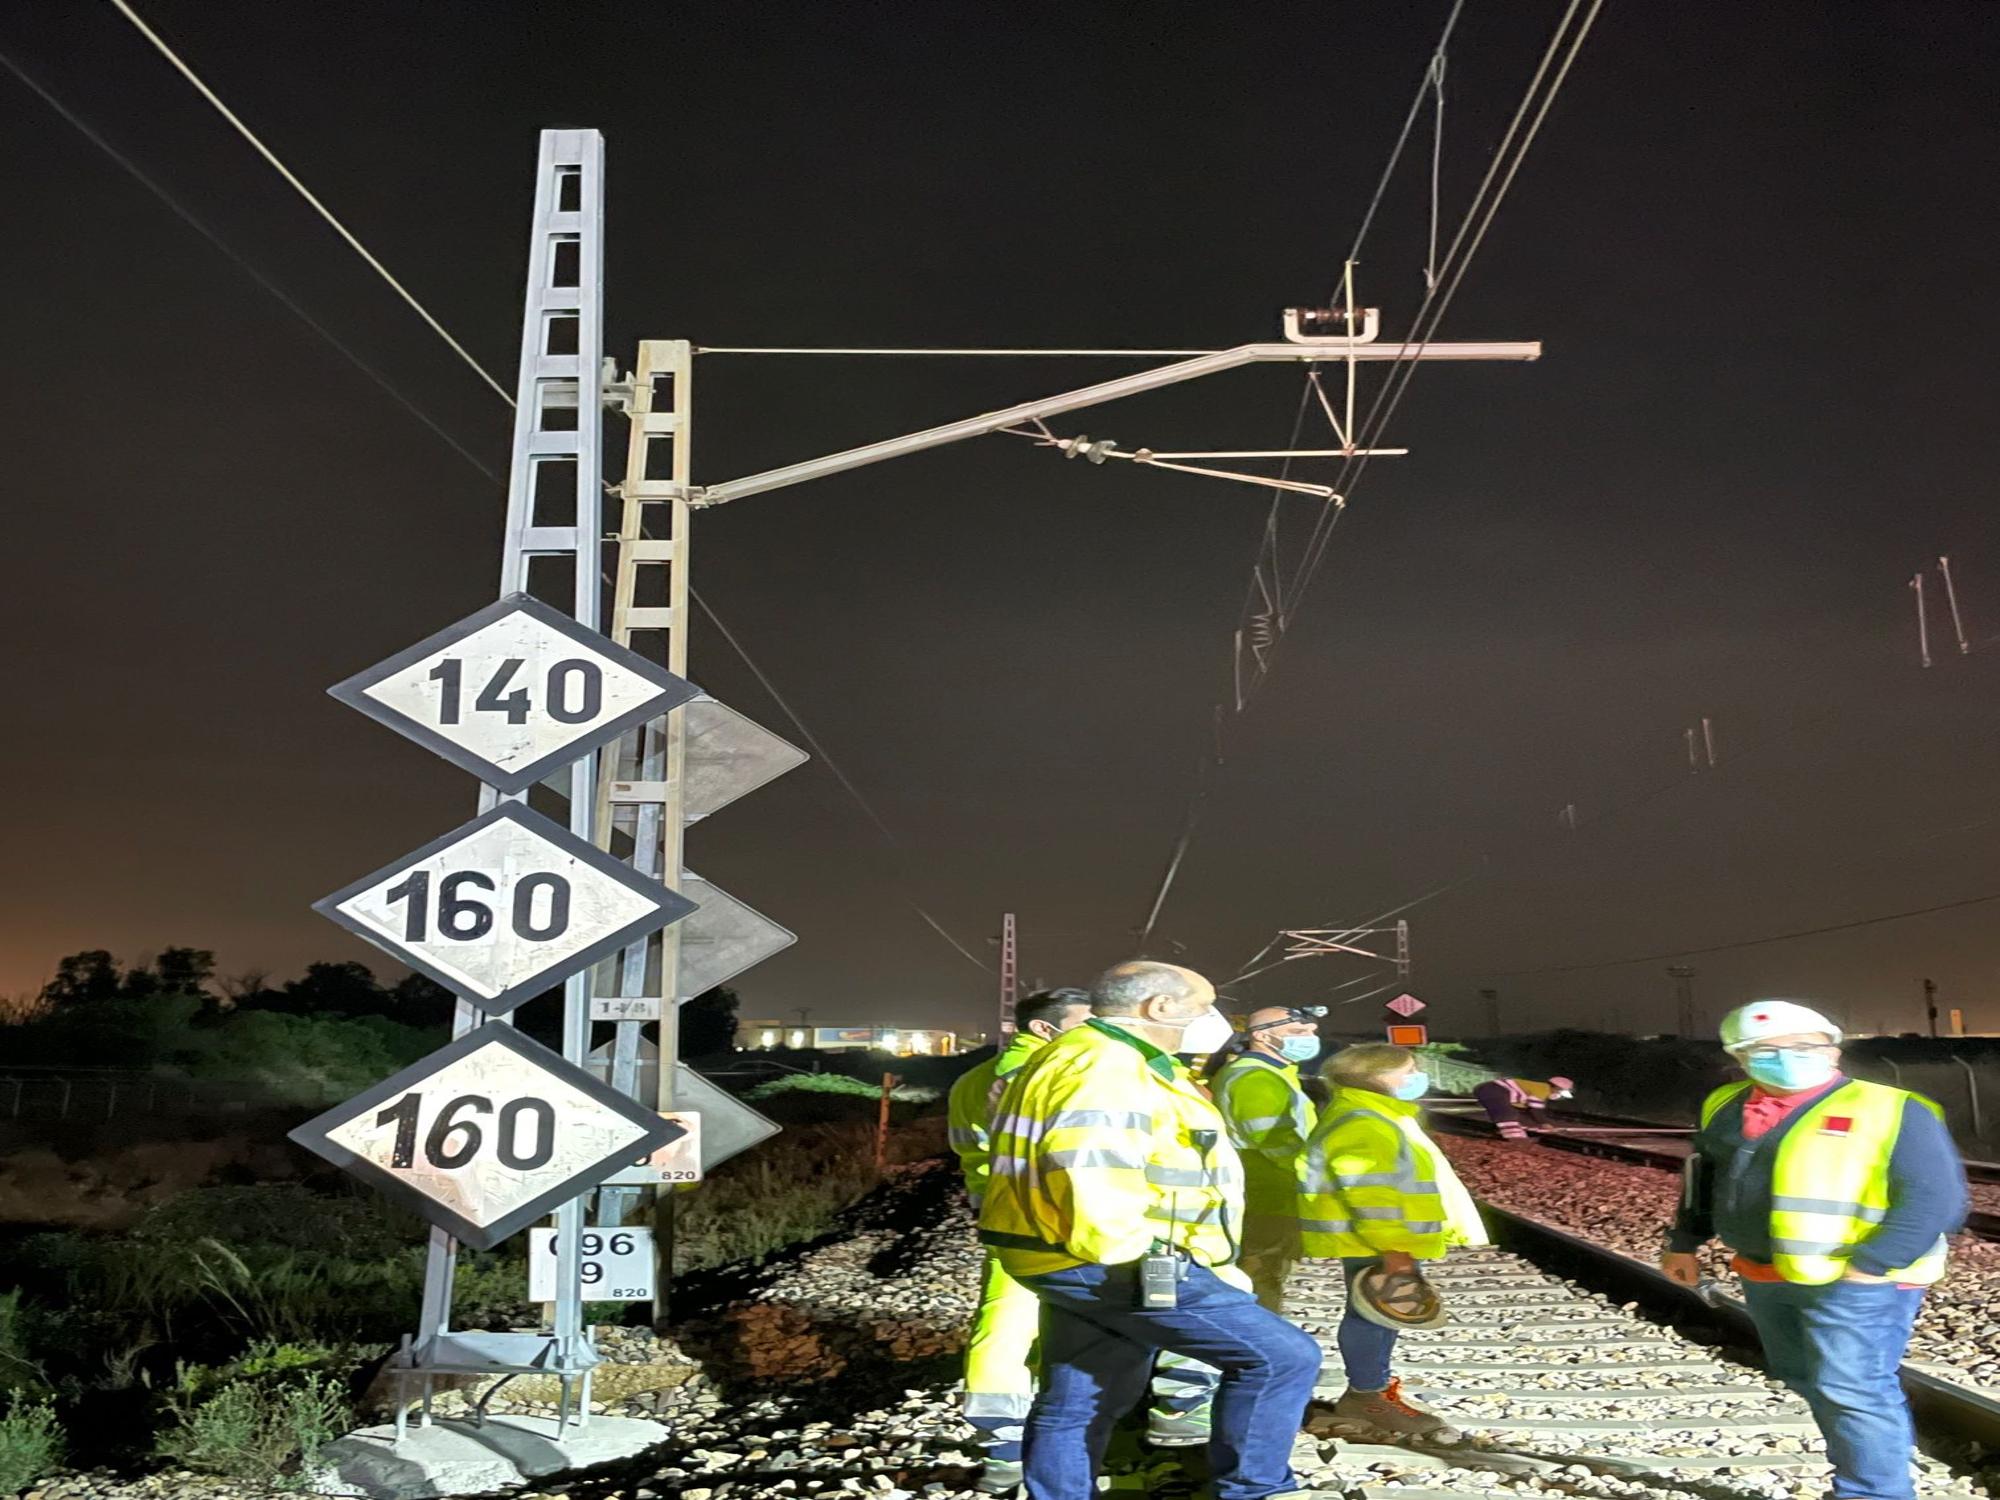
{"type": "Point", "coordinates": [504, 907]}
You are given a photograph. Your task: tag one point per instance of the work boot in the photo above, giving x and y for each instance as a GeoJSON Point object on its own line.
{"type": "Point", "coordinates": [1389, 1410]}
{"type": "Point", "coordinates": [999, 1477]}
{"type": "Point", "coordinates": [1189, 1430]}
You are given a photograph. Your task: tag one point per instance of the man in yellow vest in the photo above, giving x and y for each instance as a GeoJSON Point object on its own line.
{"type": "Point", "coordinates": [1115, 1197]}
{"type": "Point", "coordinates": [1836, 1196]}
{"type": "Point", "coordinates": [1256, 1086]}
{"type": "Point", "coordinates": [999, 1351]}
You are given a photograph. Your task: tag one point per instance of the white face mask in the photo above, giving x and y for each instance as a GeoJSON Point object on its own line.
{"type": "Point", "coordinates": [1205, 1033]}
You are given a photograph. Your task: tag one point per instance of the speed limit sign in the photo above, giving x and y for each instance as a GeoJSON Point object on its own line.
{"type": "Point", "coordinates": [616, 1265]}
{"type": "Point", "coordinates": [504, 907]}
{"type": "Point", "coordinates": [487, 1134]}
{"type": "Point", "coordinates": [514, 692]}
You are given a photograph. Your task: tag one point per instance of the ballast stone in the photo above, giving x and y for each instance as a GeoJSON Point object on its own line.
{"type": "Point", "coordinates": [453, 1457]}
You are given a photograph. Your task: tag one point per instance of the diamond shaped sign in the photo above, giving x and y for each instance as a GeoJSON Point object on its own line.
{"type": "Point", "coordinates": [514, 692]}
{"type": "Point", "coordinates": [503, 907]}
{"type": "Point", "coordinates": [1406, 1006]}
{"type": "Point", "coordinates": [722, 938]}
{"type": "Point", "coordinates": [487, 1134]}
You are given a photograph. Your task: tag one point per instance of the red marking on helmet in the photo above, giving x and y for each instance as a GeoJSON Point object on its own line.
{"type": "Point", "coordinates": [1760, 1016]}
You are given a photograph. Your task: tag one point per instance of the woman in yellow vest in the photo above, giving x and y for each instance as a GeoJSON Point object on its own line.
{"type": "Point", "coordinates": [1374, 1190]}
{"type": "Point", "coordinates": [1837, 1196]}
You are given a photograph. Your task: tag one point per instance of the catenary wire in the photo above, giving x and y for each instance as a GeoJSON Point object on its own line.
{"type": "Point", "coordinates": [306, 193]}
{"type": "Point", "coordinates": [242, 263]}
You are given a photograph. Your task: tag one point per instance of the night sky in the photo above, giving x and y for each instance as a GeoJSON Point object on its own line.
{"type": "Point", "coordinates": [1756, 240]}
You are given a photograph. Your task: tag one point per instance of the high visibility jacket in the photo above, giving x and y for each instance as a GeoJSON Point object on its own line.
{"type": "Point", "coordinates": [1104, 1148]}
{"type": "Point", "coordinates": [1270, 1119]}
{"type": "Point", "coordinates": [1370, 1180]}
{"type": "Point", "coordinates": [1830, 1182]}
{"type": "Point", "coordinates": [972, 1102]}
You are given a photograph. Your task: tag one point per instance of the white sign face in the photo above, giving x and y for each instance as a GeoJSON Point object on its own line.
{"type": "Point", "coordinates": [617, 1265]}
{"type": "Point", "coordinates": [1406, 1006]}
{"type": "Point", "coordinates": [680, 1161]}
{"type": "Point", "coordinates": [487, 1134]}
{"type": "Point", "coordinates": [514, 692]}
{"type": "Point", "coordinates": [624, 1007]}
{"type": "Point", "coordinates": [504, 907]}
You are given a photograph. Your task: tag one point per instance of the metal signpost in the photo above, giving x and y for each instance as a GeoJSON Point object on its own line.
{"type": "Point", "coordinates": [495, 1131]}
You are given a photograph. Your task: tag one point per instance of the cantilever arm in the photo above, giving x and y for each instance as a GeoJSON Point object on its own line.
{"type": "Point", "coordinates": [1096, 395]}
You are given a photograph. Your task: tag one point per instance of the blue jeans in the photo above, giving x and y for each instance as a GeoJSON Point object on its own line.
{"type": "Point", "coordinates": [1365, 1347]}
{"type": "Point", "coordinates": [1098, 1347]}
{"type": "Point", "coordinates": [1838, 1346]}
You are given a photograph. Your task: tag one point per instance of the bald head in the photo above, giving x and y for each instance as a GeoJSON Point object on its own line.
{"type": "Point", "coordinates": [1127, 989]}
{"type": "Point", "coordinates": [1268, 1027]}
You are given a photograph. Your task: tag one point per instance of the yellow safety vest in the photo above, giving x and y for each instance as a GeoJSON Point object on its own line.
{"type": "Point", "coordinates": [1104, 1148]}
{"type": "Point", "coordinates": [971, 1108]}
{"type": "Point", "coordinates": [1371, 1181]}
{"type": "Point", "coordinates": [1830, 1183]}
{"type": "Point", "coordinates": [1270, 1119]}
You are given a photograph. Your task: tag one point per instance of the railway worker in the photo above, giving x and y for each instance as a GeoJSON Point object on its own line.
{"type": "Point", "coordinates": [1836, 1196]}
{"type": "Point", "coordinates": [1115, 1196]}
{"type": "Point", "coordinates": [1376, 1193]}
{"type": "Point", "coordinates": [999, 1350]}
{"type": "Point", "coordinates": [1255, 1083]}
{"type": "Point", "coordinates": [1517, 1105]}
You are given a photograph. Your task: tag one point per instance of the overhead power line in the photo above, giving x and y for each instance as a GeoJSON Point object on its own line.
{"type": "Point", "coordinates": [1442, 285]}
{"type": "Point", "coordinates": [306, 193]}
{"type": "Point", "coordinates": [243, 263]}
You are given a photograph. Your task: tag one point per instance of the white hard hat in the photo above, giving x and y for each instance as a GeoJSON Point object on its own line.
{"type": "Point", "coordinates": [1762, 1018]}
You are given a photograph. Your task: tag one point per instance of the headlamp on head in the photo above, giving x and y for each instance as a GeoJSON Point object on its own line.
{"type": "Point", "coordinates": [1294, 1015]}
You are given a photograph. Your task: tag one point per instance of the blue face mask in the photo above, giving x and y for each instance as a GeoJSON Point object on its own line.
{"type": "Point", "coordinates": [1414, 1087]}
{"type": "Point", "coordinates": [1299, 1049]}
{"type": "Point", "coordinates": [1788, 1072]}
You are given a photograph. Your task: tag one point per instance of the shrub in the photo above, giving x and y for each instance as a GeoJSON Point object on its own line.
{"type": "Point", "coordinates": [255, 1429]}
{"type": "Point", "coordinates": [31, 1444]}
{"type": "Point", "coordinates": [19, 1371]}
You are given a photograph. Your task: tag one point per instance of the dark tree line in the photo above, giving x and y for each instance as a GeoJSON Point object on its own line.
{"type": "Point", "coordinates": [708, 1022]}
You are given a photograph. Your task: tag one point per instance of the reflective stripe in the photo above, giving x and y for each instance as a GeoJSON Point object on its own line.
{"type": "Point", "coordinates": [1327, 1226]}
{"type": "Point", "coordinates": [1094, 1156]}
{"type": "Point", "coordinates": [1174, 1213]}
{"type": "Point", "coordinates": [1389, 1212]}
{"type": "Point", "coordinates": [966, 1135]}
{"type": "Point", "coordinates": [1837, 1248]}
{"type": "Point", "coordinates": [1072, 1119]}
{"type": "Point", "coordinates": [1859, 1211]}
{"type": "Point", "coordinates": [1177, 1176]}
{"type": "Point", "coordinates": [1259, 1123]}
{"type": "Point", "coordinates": [997, 1403]}
{"type": "Point", "coordinates": [1405, 1182]}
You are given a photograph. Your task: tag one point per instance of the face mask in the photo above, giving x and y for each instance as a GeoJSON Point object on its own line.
{"type": "Point", "coordinates": [1413, 1088]}
{"type": "Point", "coordinates": [1299, 1048]}
{"type": "Point", "coordinates": [1789, 1072]}
{"type": "Point", "coordinates": [1205, 1033]}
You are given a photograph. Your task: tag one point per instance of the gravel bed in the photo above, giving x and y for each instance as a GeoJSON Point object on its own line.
{"type": "Point", "coordinates": [831, 1372]}
{"type": "Point", "coordinates": [1628, 1207]}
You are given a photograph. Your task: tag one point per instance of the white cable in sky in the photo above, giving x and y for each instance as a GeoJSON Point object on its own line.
{"type": "Point", "coordinates": [306, 193]}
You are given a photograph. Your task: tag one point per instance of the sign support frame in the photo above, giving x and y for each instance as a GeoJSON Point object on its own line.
{"type": "Point", "coordinates": [566, 245]}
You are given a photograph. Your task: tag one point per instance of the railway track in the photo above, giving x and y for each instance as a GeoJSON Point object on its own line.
{"type": "Point", "coordinates": [1568, 1366]}
{"type": "Point", "coordinates": [1646, 1146]}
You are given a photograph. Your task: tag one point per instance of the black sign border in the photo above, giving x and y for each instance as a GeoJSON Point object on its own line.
{"type": "Point", "coordinates": [314, 1136]}
{"type": "Point", "coordinates": [669, 906]}
{"type": "Point", "coordinates": [673, 692]}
